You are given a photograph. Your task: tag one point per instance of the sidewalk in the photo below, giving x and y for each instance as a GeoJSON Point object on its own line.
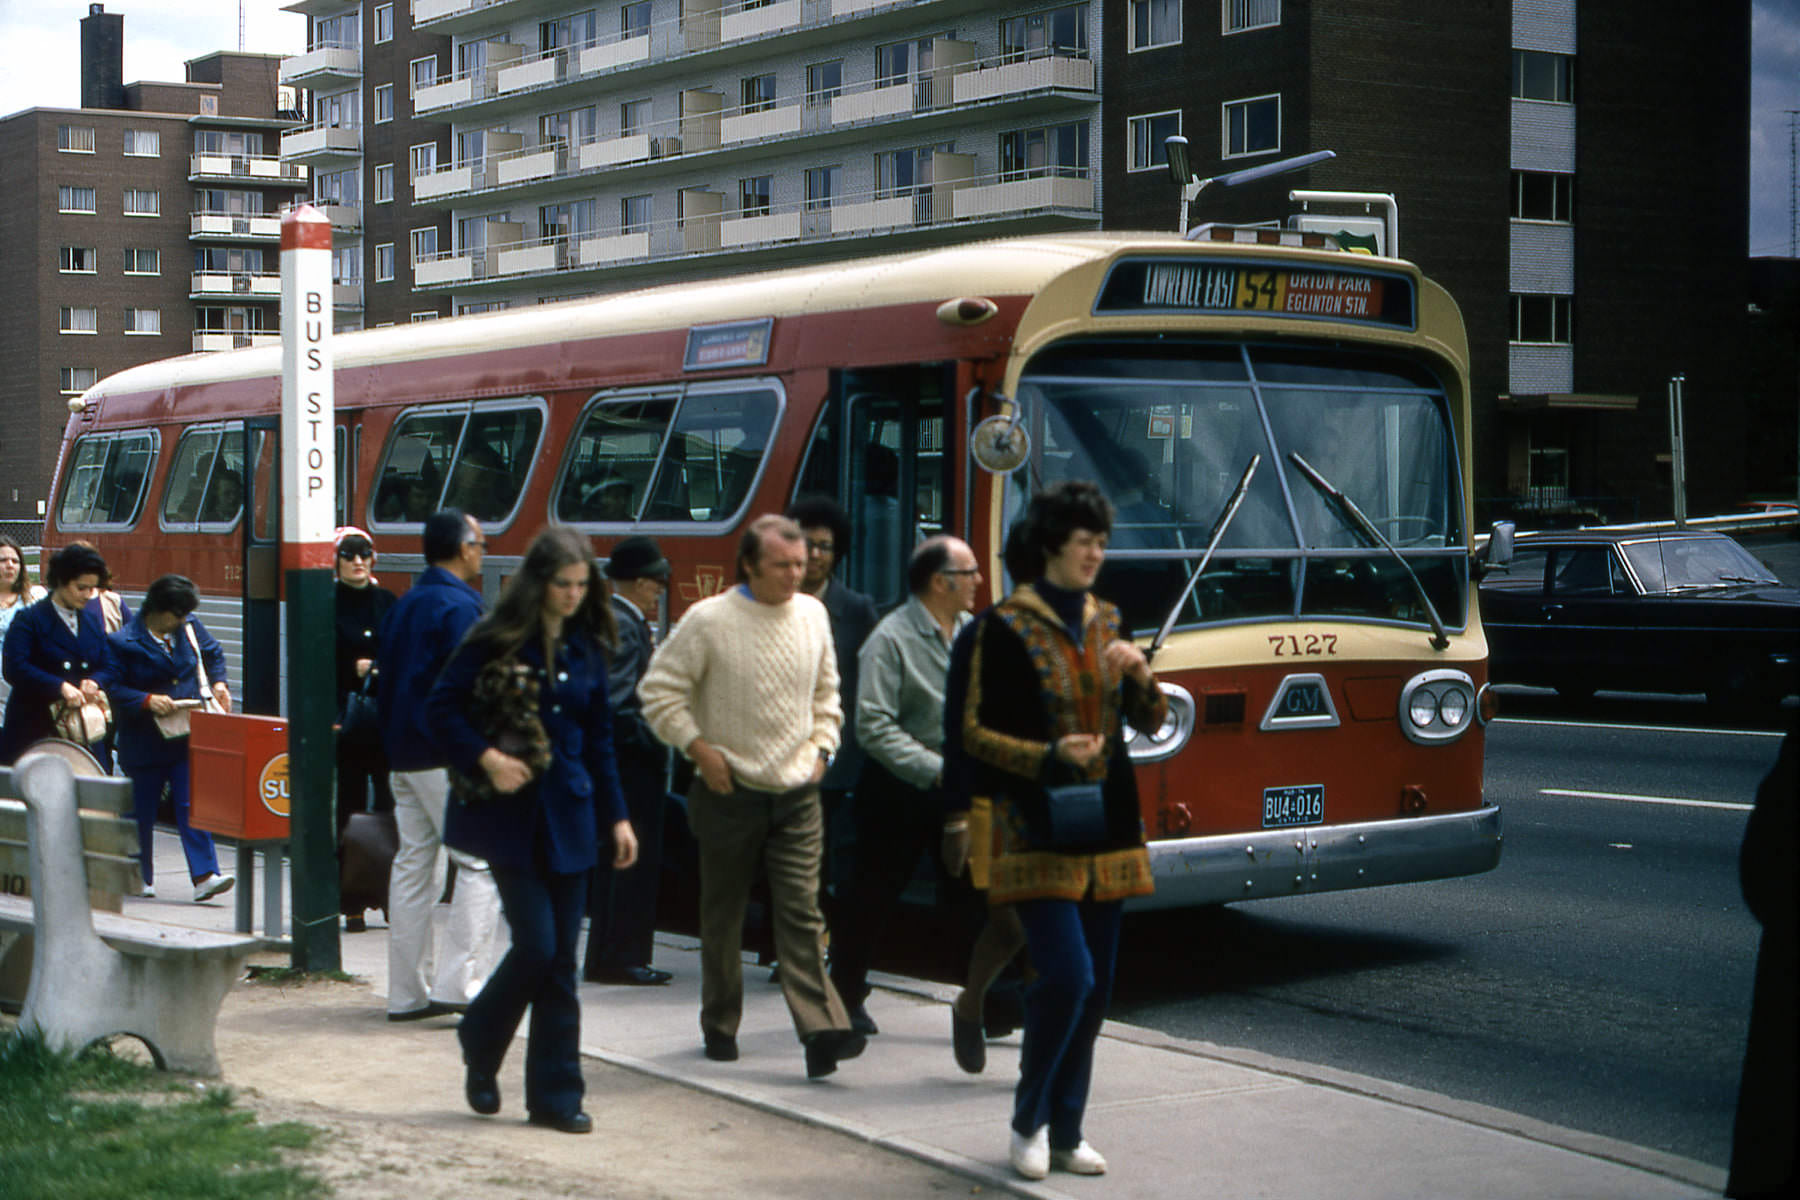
{"type": "Point", "coordinates": [1175, 1118]}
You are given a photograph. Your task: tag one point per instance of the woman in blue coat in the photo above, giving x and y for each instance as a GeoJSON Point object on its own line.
{"type": "Point", "coordinates": [541, 835]}
{"type": "Point", "coordinates": [54, 652]}
{"type": "Point", "coordinates": [152, 667]}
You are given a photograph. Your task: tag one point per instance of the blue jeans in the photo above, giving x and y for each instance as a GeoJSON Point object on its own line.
{"type": "Point", "coordinates": [544, 911]}
{"type": "Point", "coordinates": [1073, 948]}
{"type": "Point", "coordinates": [146, 790]}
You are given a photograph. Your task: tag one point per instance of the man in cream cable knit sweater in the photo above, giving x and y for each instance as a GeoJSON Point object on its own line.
{"type": "Point", "coordinates": [747, 687]}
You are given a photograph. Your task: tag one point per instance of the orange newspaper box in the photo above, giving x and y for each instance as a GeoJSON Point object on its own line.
{"type": "Point", "coordinates": [238, 776]}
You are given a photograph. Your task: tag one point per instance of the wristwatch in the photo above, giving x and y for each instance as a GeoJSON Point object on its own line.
{"type": "Point", "coordinates": [825, 757]}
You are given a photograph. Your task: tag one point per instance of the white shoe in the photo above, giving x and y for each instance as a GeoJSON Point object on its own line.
{"type": "Point", "coordinates": [147, 891]}
{"type": "Point", "coordinates": [212, 885]}
{"type": "Point", "coordinates": [1031, 1155]}
{"type": "Point", "coordinates": [1082, 1160]}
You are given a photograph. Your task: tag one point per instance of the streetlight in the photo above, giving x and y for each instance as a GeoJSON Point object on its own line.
{"type": "Point", "coordinates": [1180, 171]}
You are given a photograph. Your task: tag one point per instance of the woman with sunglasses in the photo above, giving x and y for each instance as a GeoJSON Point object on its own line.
{"type": "Point", "coordinates": [362, 770]}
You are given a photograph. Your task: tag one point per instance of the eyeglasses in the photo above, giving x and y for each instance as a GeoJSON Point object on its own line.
{"type": "Point", "coordinates": [822, 547]}
{"type": "Point", "coordinates": [478, 543]}
{"type": "Point", "coordinates": [960, 571]}
{"type": "Point", "coordinates": [347, 555]}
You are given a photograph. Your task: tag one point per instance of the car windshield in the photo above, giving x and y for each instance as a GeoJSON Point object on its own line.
{"type": "Point", "coordinates": [1691, 564]}
{"type": "Point", "coordinates": [1167, 430]}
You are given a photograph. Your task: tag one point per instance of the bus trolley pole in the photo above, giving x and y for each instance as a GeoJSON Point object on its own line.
{"type": "Point", "coordinates": [308, 510]}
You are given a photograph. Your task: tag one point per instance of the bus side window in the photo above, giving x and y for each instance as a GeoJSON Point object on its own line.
{"type": "Point", "coordinates": [105, 486]}
{"type": "Point", "coordinates": [188, 475]}
{"type": "Point", "coordinates": [225, 490]}
{"type": "Point", "coordinates": [712, 456]}
{"type": "Point", "coordinates": [614, 456]}
{"type": "Point", "coordinates": [494, 462]}
{"type": "Point", "coordinates": [411, 479]}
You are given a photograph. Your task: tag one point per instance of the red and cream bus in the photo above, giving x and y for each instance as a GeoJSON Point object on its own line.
{"type": "Point", "coordinates": [1327, 666]}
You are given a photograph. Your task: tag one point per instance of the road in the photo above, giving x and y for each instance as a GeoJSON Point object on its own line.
{"type": "Point", "coordinates": [1599, 979]}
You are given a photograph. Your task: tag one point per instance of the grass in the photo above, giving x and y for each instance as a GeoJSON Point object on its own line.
{"type": "Point", "coordinates": [96, 1126]}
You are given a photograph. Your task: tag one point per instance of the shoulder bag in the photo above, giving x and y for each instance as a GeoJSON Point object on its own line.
{"type": "Point", "coordinates": [504, 706]}
{"type": "Point", "coordinates": [359, 726]}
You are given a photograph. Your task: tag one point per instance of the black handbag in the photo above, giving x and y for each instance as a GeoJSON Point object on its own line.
{"type": "Point", "coordinates": [366, 860]}
{"type": "Point", "coordinates": [359, 725]}
{"type": "Point", "coordinates": [1076, 815]}
{"type": "Point", "coordinates": [505, 711]}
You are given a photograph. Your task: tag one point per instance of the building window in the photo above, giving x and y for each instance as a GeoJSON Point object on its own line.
{"type": "Point", "coordinates": [143, 143]}
{"type": "Point", "coordinates": [75, 139]}
{"type": "Point", "coordinates": [78, 260]}
{"type": "Point", "coordinates": [906, 172]}
{"type": "Point", "coordinates": [753, 195]}
{"type": "Point", "coordinates": [1543, 196]}
{"type": "Point", "coordinates": [1148, 133]}
{"type": "Point", "coordinates": [228, 141]}
{"type": "Point", "coordinates": [634, 117]}
{"type": "Point", "coordinates": [77, 320]}
{"type": "Point", "coordinates": [420, 317]}
{"type": "Point", "coordinates": [1238, 15]}
{"type": "Point", "coordinates": [384, 22]}
{"type": "Point", "coordinates": [340, 110]}
{"type": "Point", "coordinates": [572, 128]}
{"type": "Point", "coordinates": [143, 320]}
{"type": "Point", "coordinates": [757, 92]}
{"type": "Point", "coordinates": [1543, 320]}
{"type": "Point", "coordinates": [384, 102]}
{"type": "Point", "coordinates": [1057, 31]}
{"type": "Point", "coordinates": [1537, 75]}
{"type": "Point", "coordinates": [574, 218]}
{"type": "Point", "coordinates": [635, 214]}
{"type": "Point", "coordinates": [424, 73]}
{"type": "Point", "coordinates": [141, 260]}
{"type": "Point", "coordinates": [228, 260]}
{"type": "Point", "coordinates": [384, 183]}
{"type": "Point", "coordinates": [76, 380]}
{"type": "Point", "coordinates": [424, 159]}
{"type": "Point", "coordinates": [1055, 150]}
{"type": "Point", "coordinates": [822, 184]}
{"type": "Point", "coordinates": [1155, 23]}
{"type": "Point", "coordinates": [384, 262]}
{"type": "Point", "coordinates": [897, 61]}
{"type": "Point", "coordinates": [634, 19]}
{"type": "Point", "coordinates": [824, 81]}
{"type": "Point", "coordinates": [424, 244]}
{"type": "Point", "coordinates": [1252, 126]}
{"type": "Point", "coordinates": [576, 29]}
{"type": "Point", "coordinates": [74, 199]}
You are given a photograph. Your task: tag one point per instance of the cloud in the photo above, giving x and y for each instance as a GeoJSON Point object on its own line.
{"type": "Point", "coordinates": [1774, 91]}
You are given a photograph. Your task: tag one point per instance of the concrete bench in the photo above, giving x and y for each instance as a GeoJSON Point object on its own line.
{"type": "Point", "coordinates": [97, 975]}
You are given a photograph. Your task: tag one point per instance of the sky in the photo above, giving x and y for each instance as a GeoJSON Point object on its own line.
{"type": "Point", "coordinates": [43, 69]}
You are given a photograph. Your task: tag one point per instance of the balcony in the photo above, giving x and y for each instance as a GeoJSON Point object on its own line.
{"type": "Point", "coordinates": [323, 66]}
{"type": "Point", "coordinates": [344, 218]}
{"type": "Point", "coordinates": [210, 285]}
{"type": "Point", "coordinates": [240, 168]}
{"type": "Point", "coordinates": [221, 339]}
{"type": "Point", "coordinates": [347, 295]}
{"type": "Point", "coordinates": [322, 144]}
{"type": "Point", "coordinates": [234, 227]}
{"type": "Point", "coordinates": [953, 209]}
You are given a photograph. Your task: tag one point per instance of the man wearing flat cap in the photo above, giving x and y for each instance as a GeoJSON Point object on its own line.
{"type": "Point", "coordinates": [622, 904]}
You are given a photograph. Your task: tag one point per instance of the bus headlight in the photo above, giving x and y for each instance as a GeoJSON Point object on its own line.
{"type": "Point", "coordinates": [1166, 742]}
{"type": "Point", "coordinates": [1435, 707]}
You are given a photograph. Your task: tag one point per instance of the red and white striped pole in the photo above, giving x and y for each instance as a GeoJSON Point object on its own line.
{"type": "Point", "coordinates": [308, 519]}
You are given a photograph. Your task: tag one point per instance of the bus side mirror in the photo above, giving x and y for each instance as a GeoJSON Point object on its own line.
{"type": "Point", "coordinates": [1499, 549]}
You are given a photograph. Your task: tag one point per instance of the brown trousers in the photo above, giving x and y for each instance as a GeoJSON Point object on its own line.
{"type": "Point", "coordinates": [739, 834]}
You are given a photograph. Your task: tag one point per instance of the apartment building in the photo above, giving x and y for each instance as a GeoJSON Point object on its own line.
{"type": "Point", "coordinates": [142, 225]}
{"type": "Point", "coordinates": [1574, 171]}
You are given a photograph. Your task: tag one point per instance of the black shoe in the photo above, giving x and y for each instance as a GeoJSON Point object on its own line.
{"type": "Point", "coordinates": [575, 1122]}
{"type": "Point", "coordinates": [482, 1091]}
{"type": "Point", "coordinates": [774, 972]}
{"type": "Point", "coordinates": [967, 1043]}
{"type": "Point", "coordinates": [355, 925]}
{"type": "Point", "coordinates": [828, 1047]}
{"type": "Point", "coordinates": [433, 1008]}
{"type": "Point", "coordinates": [632, 976]}
{"type": "Point", "coordinates": [721, 1047]}
{"type": "Point", "coordinates": [861, 1021]}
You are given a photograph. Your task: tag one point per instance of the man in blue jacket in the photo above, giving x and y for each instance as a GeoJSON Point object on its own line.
{"type": "Point", "coordinates": [417, 638]}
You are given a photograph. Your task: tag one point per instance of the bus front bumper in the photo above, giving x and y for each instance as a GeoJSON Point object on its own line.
{"type": "Point", "coordinates": [1321, 858]}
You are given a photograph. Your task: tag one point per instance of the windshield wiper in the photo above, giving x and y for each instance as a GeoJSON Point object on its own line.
{"type": "Point", "coordinates": [1212, 543]}
{"type": "Point", "coordinates": [1346, 507]}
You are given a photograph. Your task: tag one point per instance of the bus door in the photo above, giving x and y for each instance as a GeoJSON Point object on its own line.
{"type": "Point", "coordinates": [880, 450]}
{"type": "Point", "coordinates": [261, 668]}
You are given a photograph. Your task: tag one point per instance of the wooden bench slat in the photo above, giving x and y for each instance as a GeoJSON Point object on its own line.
{"type": "Point", "coordinates": [101, 793]}
{"type": "Point", "coordinates": [101, 832]}
{"type": "Point", "coordinates": [151, 939]}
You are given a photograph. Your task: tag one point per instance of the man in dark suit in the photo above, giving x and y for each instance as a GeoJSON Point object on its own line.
{"type": "Point", "coordinates": [622, 904]}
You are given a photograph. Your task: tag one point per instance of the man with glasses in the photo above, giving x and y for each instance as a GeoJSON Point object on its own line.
{"type": "Point", "coordinates": [417, 637]}
{"type": "Point", "coordinates": [899, 804]}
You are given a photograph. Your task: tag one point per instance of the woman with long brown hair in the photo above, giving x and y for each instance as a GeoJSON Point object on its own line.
{"type": "Point", "coordinates": [540, 832]}
{"type": "Point", "coordinates": [16, 591]}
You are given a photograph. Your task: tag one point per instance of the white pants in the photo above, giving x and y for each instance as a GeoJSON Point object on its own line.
{"type": "Point", "coordinates": [475, 936]}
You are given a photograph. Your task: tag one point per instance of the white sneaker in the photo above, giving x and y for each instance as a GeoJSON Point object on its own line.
{"type": "Point", "coordinates": [1082, 1160]}
{"type": "Point", "coordinates": [1030, 1155]}
{"type": "Point", "coordinates": [147, 891]}
{"type": "Point", "coordinates": [212, 885]}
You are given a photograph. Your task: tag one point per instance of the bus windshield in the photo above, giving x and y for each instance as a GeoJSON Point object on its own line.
{"type": "Point", "coordinates": [1167, 429]}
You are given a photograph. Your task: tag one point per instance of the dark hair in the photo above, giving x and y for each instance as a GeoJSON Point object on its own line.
{"type": "Point", "coordinates": [72, 562]}
{"type": "Point", "coordinates": [1014, 558]}
{"type": "Point", "coordinates": [1058, 511]}
{"type": "Point", "coordinates": [173, 594]}
{"type": "Point", "coordinates": [21, 582]}
{"type": "Point", "coordinates": [928, 558]}
{"type": "Point", "coordinates": [822, 512]}
{"type": "Point", "coordinates": [445, 532]}
{"type": "Point", "coordinates": [519, 613]}
{"type": "Point", "coordinates": [750, 545]}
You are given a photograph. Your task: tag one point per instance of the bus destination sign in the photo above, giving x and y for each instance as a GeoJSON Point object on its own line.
{"type": "Point", "coordinates": [1144, 285]}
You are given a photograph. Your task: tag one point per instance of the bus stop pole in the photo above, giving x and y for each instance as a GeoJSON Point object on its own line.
{"type": "Point", "coordinates": [308, 514]}
{"type": "Point", "coordinates": [1678, 448]}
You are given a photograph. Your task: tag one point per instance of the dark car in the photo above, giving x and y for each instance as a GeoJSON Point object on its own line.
{"type": "Point", "coordinates": [1636, 611]}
